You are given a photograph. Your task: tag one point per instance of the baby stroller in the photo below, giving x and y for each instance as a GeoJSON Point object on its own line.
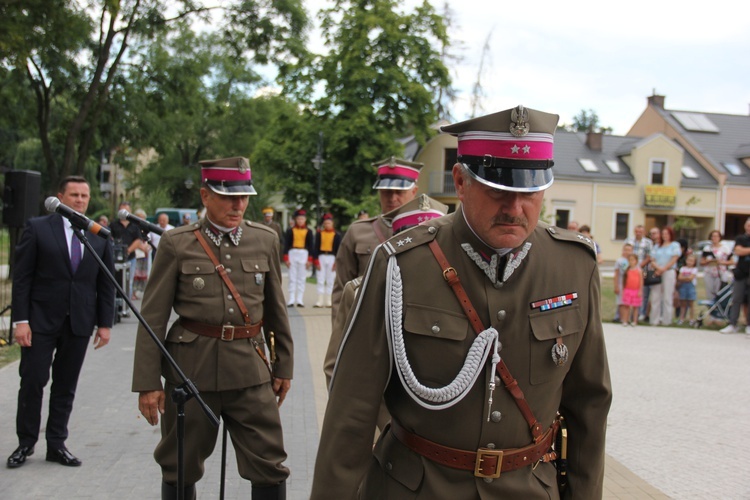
{"type": "Point", "coordinates": [718, 308]}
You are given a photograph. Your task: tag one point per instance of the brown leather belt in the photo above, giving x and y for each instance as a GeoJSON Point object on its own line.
{"type": "Point", "coordinates": [223, 332]}
{"type": "Point", "coordinates": [485, 462]}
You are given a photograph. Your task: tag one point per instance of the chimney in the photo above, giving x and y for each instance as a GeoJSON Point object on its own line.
{"type": "Point", "coordinates": [594, 140]}
{"type": "Point", "coordinates": [656, 101]}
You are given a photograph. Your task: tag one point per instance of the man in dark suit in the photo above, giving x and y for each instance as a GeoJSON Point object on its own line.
{"type": "Point", "coordinates": [60, 295]}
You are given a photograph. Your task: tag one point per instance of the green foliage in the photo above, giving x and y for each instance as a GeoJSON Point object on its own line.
{"type": "Point", "coordinates": [586, 121]}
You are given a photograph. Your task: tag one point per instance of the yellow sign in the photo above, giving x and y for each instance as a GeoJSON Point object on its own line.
{"type": "Point", "coordinates": [657, 196]}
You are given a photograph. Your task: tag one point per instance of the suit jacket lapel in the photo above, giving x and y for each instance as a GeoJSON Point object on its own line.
{"type": "Point", "coordinates": [58, 232]}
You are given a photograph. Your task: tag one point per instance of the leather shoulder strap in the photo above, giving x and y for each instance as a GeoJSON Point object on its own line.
{"type": "Point", "coordinates": [378, 230]}
{"type": "Point", "coordinates": [451, 276]}
{"type": "Point", "coordinates": [224, 276]}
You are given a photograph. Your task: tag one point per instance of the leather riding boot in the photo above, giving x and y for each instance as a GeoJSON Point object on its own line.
{"type": "Point", "coordinates": [169, 491]}
{"type": "Point", "coordinates": [274, 492]}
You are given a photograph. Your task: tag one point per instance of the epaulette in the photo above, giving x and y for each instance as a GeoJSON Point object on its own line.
{"type": "Point", "coordinates": [258, 225]}
{"type": "Point", "coordinates": [185, 229]}
{"type": "Point", "coordinates": [561, 234]}
{"type": "Point", "coordinates": [411, 238]}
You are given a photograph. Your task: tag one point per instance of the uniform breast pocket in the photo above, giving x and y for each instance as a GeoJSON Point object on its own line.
{"type": "Point", "coordinates": [546, 328]}
{"type": "Point", "coordinates": [254, 273]}
{"type": "Point", "coordinates": [197, 278]}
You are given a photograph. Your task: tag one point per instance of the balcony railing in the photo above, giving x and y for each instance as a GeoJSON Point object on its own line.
{"type": "Point", "coordinates": [441, 183]}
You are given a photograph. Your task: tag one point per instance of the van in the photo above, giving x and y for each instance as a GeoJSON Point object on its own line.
{"type": "Point", "coordinates": [175, 215]}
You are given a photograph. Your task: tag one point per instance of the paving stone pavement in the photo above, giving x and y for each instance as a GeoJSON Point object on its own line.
{"type": "Point", "coordinates": [675, 429]}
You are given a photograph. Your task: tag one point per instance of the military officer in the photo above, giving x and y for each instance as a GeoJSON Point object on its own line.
{"type": "Point", "coordinates": [269, 222]}
{"type": "Point", "coordinates": [396, 184]}
{"type": "Point", "coordinates": [476, 337]}
{"type": "Point", "coordinates": [217, 340]}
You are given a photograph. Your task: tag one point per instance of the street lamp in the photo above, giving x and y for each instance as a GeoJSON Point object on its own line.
{"type": "Point", "coordinates": [318, 162]}
{"type": "Point", "coordinates": [188, 183]}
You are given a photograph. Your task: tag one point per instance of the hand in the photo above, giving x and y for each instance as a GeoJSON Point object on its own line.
{"type": "Point", "coordinates": [307, 265]}
{"type": "Point", "coordinates": [280, 388]}
{"type": "Point", "coordinates": [23, 334]}
{"type": "Point", "coordinates": [151, 405]}
{"type": "Point", "coordinates": [287, 264]}
{"type": "Point", "coordinates": [317, 268]}
{"type": "Point", "coordinates": [101, 338]}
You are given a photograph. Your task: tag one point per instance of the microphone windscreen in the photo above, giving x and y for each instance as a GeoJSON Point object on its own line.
{"type": "Point", "coordinates": [51, 204]}
{"type": "Point", "coordinates": [123, 214]}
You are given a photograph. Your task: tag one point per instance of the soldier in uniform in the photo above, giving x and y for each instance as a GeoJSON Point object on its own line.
{"type": "Point", "coordinates": [327, 241]}
{"type": "Point", "coordinates": [269, 222]}
{"type": "Point", "coordinates": [477, 330]}
{"type": "Point", "coordinates": [396, 184]}
{"type": "Point", "coordinates": [217, 340]}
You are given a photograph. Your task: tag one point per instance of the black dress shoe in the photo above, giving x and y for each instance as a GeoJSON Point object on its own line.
{"type": "Point", "coordinates": [18, 457]}
{"type": "Point", "coordinates": [63, 456]}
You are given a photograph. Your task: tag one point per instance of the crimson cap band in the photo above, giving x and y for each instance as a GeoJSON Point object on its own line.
{"type": "Point", "coordinates": [228, 176]}
{"type": "Point", "coordinates": [510, 150]}
{"type": "Point", "coordinates": [419, 210]}
{"type": "Point", "coordinates": [395, 173]}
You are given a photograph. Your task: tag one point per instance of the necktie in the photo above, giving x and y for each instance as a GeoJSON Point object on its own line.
{"type": "Point", "coordinates": [75, 252]}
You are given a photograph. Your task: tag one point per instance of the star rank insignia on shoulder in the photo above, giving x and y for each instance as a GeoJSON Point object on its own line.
{"type": "Point", "coordinates": [561, 234]}
{"type": "Point", "coordinates": [413, 237]}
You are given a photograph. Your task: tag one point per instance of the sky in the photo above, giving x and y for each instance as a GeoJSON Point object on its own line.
{"type": "Point", "coordinates": [564, 57]}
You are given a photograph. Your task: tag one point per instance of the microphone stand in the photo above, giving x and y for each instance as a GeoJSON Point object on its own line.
{"type": "Point", "coordinates": [182, 393]}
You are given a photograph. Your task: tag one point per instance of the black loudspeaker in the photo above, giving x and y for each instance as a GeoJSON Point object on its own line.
{"type": "Point", "coordinates": [21, 196]}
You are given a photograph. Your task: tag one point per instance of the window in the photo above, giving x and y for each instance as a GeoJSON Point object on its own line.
{"type": "Point", "coordinates": [657, 172]}
{"type": "Point", "coordinates": [562, 217]}
{"type": "Point", "coordinates": [450, 158]}
{"type": "Point", "coordinates": [588, 165]}
{"type": "Point", "coordinates": [689, 172]}
{"type": "Point", "coordinates": [622, 221]}
{"type": "Point", "coordinates": [733, 168]}
{"type": "Point", "coordinates": [696, 122]}
{"type": "Point", "coordinates": [613, 166]}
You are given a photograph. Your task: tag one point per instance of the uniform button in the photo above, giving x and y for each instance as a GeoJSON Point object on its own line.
{"type": "Point", "coordinates": [229, 270]}
{"type": "Point", "coordinates": [197, 268]}
{"type": "Point", "coordinates": [226, 244]}
{"type": "Point", "coordinates": [230, 297]}
{"type": "Point", "coordinates": [179, 338]}
{"type": "Point", "coordinates": [498, 285]}
{"type": "Point", "coordinates": [496, 416]}
{"type": "Point", "coordinates": [256, 267]}
{"type": "Point", "coordinates": [487, 479]}
{"type": "Point", "coordinates": [490, 446]}
{"type": "Point", "coordinates": [432, 230]}
{"type": "Point", "coordinates": [388, 466]}
{"type": "Point", "coordinates": [552, 230]}
{"type": "Point", "coordinates": [228, 257]}
{"type": "Point", "coordinates": [560, 329]}
{"type": "Point", "coordinates": [231, 310]}
{"type": "Point", "coordinates": [501, 315]}
{"type": "Point", "coordinates": [499, 346]}
{"type": "Point", "coordinates": [435, 329]}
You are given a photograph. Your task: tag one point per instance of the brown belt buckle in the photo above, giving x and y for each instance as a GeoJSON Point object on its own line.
{"type": "Point", "coordinates": [227, 328]}
{"type": "Point", "coordinates": [486, 452]}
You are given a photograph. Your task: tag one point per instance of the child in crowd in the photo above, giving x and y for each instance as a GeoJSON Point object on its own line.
{"type": "Point", "coordinates": [686, 287]}
{"type": "Point", "coordinates": [621, 266]}
{"type": "Point", "coordinates": [632, 292]}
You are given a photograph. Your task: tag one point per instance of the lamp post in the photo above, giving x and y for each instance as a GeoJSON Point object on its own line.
{"type": "Point", "coordinates": [318, 162]}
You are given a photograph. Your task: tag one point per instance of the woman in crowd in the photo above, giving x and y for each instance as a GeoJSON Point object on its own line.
{"type": "Point", "coordinates": [714, 259]}
{"type": "Point", "coordinates": [664, 257]}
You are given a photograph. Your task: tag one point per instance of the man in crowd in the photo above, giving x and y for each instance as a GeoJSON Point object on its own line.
{"type": "Point", "coordinates": [327, 241]}
{"type": "Point", "coordinates": [298, 257]}
{"type": "Point", "coordinates": [396, 185]}
{"type": "Point", "coordinates": [741, 286]}
{"type": "Point", "coordinates": [130, 237]}
{"type": "Point", "coordinates": [222, 277]}
{"type": "Point", "coordinates": [162, 220]}
{"type": "Point", "coordinates": [60, 296]}
{"type": "Point", "coordinates": [446, 298]}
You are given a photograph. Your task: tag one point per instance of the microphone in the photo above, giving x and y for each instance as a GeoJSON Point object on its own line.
{"type": "Point", "coordinates": [143, 224]}
{"type": "Point", "coordinates": [76, 219]}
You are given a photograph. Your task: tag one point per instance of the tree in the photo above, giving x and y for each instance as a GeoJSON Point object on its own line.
{"type": "Point", "coordinates": [587, 121]}
{"type": "Point", "coordinates": [72, 56]}
{"type": "Point", "coordinates": [379, 81]}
